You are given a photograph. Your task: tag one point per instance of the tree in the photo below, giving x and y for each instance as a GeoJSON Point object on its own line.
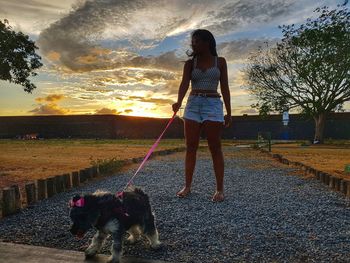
{"type": "Point", "coordinates": [309, 70]}
{"type": "Point", "coordinates": [18, 59]}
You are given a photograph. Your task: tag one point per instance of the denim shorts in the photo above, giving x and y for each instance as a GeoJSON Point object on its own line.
{"type": "Point", "coordinates": [200, 108]}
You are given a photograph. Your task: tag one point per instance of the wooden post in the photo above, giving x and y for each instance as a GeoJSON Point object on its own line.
{"type": "Point", "coordinates": [348, 188]}
{"type": "Point", "coordinates": [285, 161]}
{"type": "Point", "coordinates": [297, 164]}
{"type": "Point", "coordinates": [304, 168]}
{"type": "Point", "coordinates": [8, 201]}
{"type": "Point", "coordinates": [317, 174]}
{"type": "Point", "coordinates": [63, 182]}
{"type": "Point", "coordinates": [327, 178]}
{"type": "Point", "coordinates": [128, 161]}
{"type": "Point", "coordinates": [137, 159]}
{"type": "Point", "coordinates": [75, 179]}
{"type": "Point", "coordinates": [343, 185]}
{"type": "Point", "coordinates": [51, 186]}
{"type": "Point", "coordinates": [67, 181]}
{"type": "Point", "coordinates": [322, 178]}
{"type": "Point", "coordinates": [94, 171]}
{"type": "Point", "coordinates": [89, 173]}
{"type": "Point", "coordinates": [99, 169]}
{"type": "Point", "coordinates": [42, 189]}
{"type": "Point", "coordinates": [162, 152]}
{"type": "Point", "coordinates": [59, 183]}
{"type": "Point", "coordinates": [1, 203]}
{"type": "Point", "coordinates": [337, 182]}
{"type": "Point", "coordinates": [332, 182]}
{"type": "Point", "coordinates": [18, 197]}
{"type": "Point", "coordinates": [313, 171]}
{"type": "Point", "coordinates": [309, 170]}
{"type": "Point", "coordinates": [82, 175]}
{"type": "Point", "coordinates": [31, 193]}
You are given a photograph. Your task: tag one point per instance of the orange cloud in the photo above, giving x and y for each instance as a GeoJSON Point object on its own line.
{"type": "Point", "coordinates": [53, 56]}
{"type": "Point", "coordinates": [152, 100]}
{"type": "Point", "coordinates": [50, 98]}
{"type": "Point", "coordinates": [49, 109]}
{"type": "Point", "coordinates": [249, 111]}
{"type": "Point", "coordinates": [107, 111]}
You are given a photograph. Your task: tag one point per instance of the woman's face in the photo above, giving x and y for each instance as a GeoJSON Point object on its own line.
{"type": "Point", "coordinates": [198, 45]}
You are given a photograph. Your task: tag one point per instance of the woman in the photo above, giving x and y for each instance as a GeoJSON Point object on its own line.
{"type": "Point", "coordinates": [204, 107]}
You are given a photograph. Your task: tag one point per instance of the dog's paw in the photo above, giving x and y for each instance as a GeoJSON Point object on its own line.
{"type": "Point", "coordinates": [112, 259]}
{"type": "Point", "coordinates": [90, 252]}
{"type": "Point", "coordinates": [130, 240]}
{"type": "Point", "coordinates": [156, 245]}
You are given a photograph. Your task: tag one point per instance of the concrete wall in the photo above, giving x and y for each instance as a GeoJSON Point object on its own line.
{"type": "Point", "coordinates": [299, 127]}
{"type": "Point", "coordinates": [117, 126]}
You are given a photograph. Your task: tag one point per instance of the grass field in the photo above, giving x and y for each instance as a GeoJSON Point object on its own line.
{"type": "Point", "coordinates": [330, 158]}
{"type": "Point", "coordinates": [24, 160]}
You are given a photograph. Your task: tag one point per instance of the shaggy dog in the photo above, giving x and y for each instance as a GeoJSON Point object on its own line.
{"type": "Point", "coordinates": [129, 211]}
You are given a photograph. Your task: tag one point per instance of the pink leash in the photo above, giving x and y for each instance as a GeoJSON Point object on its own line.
{"type": "Point", "coordinates": [148, 154]}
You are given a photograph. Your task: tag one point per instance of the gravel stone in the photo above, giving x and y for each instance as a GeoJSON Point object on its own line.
{"type": "Point", "coordinates": [267, 216]}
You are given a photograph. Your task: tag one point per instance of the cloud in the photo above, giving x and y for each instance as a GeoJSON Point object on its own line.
{"type": "Point", "coordinates": [240, 49]}
{"type": "Point", "coordinates": [49, 109]}
{"type": "Point", "coordinates": [131, 76]}
{"type": "Point", "coordinates": [50, 98]}
{"type": "Point", "coordinates": [249, 111]}
{"type": "Point", "coordinates": [107, 111]}
{"type": "Point", "coordinates": [152, 100]}
{"type": "Point", "coordinates": [75, 39]}
{"type": "Point", "coordinates": [48, 105]}
{"type": "Point", "coordinates": [235, 15]}
{"type": "Point", "coordinates": [32, 16]}
{"type": "Point", "coordinates": [72, 37]}
{"type": "Point", "coordinates": [112, 111]}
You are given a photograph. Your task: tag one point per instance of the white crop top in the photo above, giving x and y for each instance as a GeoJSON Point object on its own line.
{"type": "Point", "coordinates": [208, 79]}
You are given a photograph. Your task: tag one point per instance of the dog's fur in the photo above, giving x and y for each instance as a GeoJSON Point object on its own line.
{"type": "Point", "coordinates": [114, 215]}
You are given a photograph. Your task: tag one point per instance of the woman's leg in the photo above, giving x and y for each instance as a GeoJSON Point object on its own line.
{"type": "Point", "coordinates": [213, 130]}
{"type": "Point", "coordinates": [192, 132]}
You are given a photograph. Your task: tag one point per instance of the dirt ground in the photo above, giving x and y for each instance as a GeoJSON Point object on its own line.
{"type": "Point", "coordinates": [328, 158]}
{"type": "Point", "coordinates": [23, 161]}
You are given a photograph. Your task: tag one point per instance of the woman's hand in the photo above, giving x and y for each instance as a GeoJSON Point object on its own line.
{"type": "Point", "coordinates": [228, 120]}
{"type": "Point", "coordinates": [176, 106]}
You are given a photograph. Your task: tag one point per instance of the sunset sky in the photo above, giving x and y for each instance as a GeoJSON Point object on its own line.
{"type": "Point", "coordinates": [126, 57]}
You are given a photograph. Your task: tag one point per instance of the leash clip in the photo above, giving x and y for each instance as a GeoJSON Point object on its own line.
{"type": "Point", "coordinates": [120, 194]}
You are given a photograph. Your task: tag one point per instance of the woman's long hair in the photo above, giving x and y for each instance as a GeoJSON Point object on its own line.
{"type": "Point", "coordinates": [204, 35]}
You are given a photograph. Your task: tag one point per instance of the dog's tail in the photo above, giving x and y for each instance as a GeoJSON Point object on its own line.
{"type": "Point", "coordinates": [143, 195]}
{"type": "Point", "coordinates": [140, 192]}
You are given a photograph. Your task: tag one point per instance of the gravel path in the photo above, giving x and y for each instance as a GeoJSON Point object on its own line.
{"type": "Point", "coordinates": [267, 216]}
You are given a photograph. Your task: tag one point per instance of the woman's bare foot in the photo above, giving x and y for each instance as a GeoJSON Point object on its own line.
{"type": "Point", "coordinates": [218, 196]}
{"type": "Point", "coordinates": [184, 192]}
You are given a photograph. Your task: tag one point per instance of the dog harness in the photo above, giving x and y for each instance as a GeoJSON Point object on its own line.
{"type": "Point", "coordinates": [119, 211]}
{"type": "Point", "coordinates": [208, 79]}
{"type": "Point", "coordinates": [79, 203]}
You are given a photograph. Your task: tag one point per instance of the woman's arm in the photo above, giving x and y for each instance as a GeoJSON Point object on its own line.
{"type": "Point", "coordinates": [225, 91]}
{"type": "Point", "coordinates": [186, 76]}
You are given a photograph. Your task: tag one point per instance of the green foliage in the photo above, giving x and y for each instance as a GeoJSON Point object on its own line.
{"type": "Point", "coordinates": [107, 166]}
{"type": "Point", "coordinates": [347, 169]}
{"type": "Point", "coordinates": [308, 70]}
{"type": "Point", "coordinates": [17, 57]}
{"type": "Point", "coordinates": [93, 142]}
